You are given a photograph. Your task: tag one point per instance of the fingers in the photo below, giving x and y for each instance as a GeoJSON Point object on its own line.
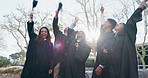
{"type": "Point", "coordinates": [143, 4]}
{"type": "Point", "coordinates": [98, 70]}
{"type": "Point", "coordinates": [102, 9]}
{"type": "Point", "coordinates": [105, 50]}
{"type": "Point", "coordinates": [145, 0]}
{"type": "Point", "coordinates": [76, 45]}
{"type": "Point", "coordinates": [98, 73]}
{"type": "Point", "coordinates": [50, 71]}
{"type": "Point", "coordinates": [76, 19]}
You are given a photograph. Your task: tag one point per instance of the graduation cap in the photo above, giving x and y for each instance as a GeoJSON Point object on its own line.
{"type": "Point", "coordinates": [34, 4]}
{"type": "Point", "coordinates": [60, 6]}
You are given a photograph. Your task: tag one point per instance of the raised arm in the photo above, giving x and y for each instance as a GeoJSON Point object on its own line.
{"type": "Point", "coordinates": [71, 32]}
{"type": "Point", "coordinates": [55, 21]}
{"type": "Point", "coordinates": [130, 25]}
{"type": "Point", "coordinates": [102, 19]}
{"type": "Point", "coordinates": [74, 23]}
{"type": "Point", "coordinates": [137, 16]}
{"type": "Point", "coordinates": [55, 25]}
{"type": "Point", "coordinates": [30, 27]}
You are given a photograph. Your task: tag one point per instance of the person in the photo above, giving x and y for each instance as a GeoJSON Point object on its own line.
{"type": "Point", "coordinates": [39, 53]}
{"type": "Point", "coordinates": [77, 56]}
{"type": "Point", "coordinates": [61, 45]}
{"type": "Point", "coordinates": [101, 65]}
{"type": "Point", "coordinates": [121, 50]}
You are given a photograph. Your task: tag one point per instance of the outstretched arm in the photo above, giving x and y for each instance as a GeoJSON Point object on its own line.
{"type": "Point", "coordinates": [137, 16]}
{"type": "Point", "coordinates": [30, 26]}
{"type": "Point", "coordinates": [102, 15]}
{"type": "Point", "coordinates": [74, 23]}
{"type": "Point", "coordinates": [71, 32]}
{"type": "Point", "coordinates": [55, 24]}
{"type": "Point", "coordinates": [102, 19]}
{"type": "Point", "coordinates": [55, 21]}
{"type": "Point", "coordinates": [130, 26]}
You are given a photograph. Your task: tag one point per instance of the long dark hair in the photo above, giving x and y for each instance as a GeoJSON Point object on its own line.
{"type": "Point", "coordinates": [40, 39]}
{"type": "Point", "coordinates": [82, 36]}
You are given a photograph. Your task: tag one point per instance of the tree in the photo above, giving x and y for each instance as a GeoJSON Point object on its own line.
{"type": "Point", "coordinates": [2, 45]}
{"type": "Point", "coordinates": [90, 10]}
{"type": "Point", "coordinates": [16, 57]}
{"type": "Point", "coordinates": [143, 55]}
{"type": "Point", "coordinates": [4, 61]}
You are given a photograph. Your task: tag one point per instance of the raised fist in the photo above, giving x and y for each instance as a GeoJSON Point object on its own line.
{"type": "Point", "coordinates": [102, 9]}
{"type": "Point", "coordinates": [76, 20]}
{"type": "Point", "coordinates": [145, 0]}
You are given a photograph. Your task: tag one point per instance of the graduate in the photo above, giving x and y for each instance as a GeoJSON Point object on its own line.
{"type": "Point", "coordinates": [77, 56]}
{"type": "Point", "coordinates": [121, 50]}
{"type": "Point", "coordinates": [61, 44]}
{"type": "Point", "coordinates": [101, 66]}
{"type": "Point", "coordinates": [39, 53]}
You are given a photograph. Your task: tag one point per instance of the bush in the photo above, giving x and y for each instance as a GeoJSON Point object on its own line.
{"type": "Point", "coordinates": [17, 70]}
{"type": "Point", "coordinates": [89, 63]}
{"type": "Point", "coordinates": [4, 61]}
{"type": "Point", "coordinates": [10, 70]}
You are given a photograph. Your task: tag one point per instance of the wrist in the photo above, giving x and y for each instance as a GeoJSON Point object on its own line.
{"type": "Point", "coordinates": [101, 66]}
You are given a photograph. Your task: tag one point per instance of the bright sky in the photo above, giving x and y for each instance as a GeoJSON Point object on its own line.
{"type": "Point", "coordinates": [8, 6]}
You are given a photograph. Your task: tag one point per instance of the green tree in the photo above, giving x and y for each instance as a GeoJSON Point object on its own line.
{"type": "Point", "coordinates": [4, 61]}
{"type": "Point", "coordinates": [16, 57]}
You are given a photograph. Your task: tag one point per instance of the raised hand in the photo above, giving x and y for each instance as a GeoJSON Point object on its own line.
{"type": "Point", "coordinates": [76, 20]}
{"type": "Point", "coordinates": [102, 9]}
{"type": "Point", "coordinates": [145, 0]}
{"type": "Point", "coordinates": [50, 71]}
{"type": "Point", "coordinates": [98, 70]}
{"type": "Point", "coordinates": [143, 4]}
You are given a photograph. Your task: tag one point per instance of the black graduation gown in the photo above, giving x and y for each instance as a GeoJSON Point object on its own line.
{"type": "Point", "coordinates": [76, 58]}
{"type": "Point", "coordinates": [121, 49]}
{"type": "Point", "coordinates": [44, 55]}
{"type": "Point", "coordinates": [31, 66]}
{"type": "Point", "coordinates": [125, 47]}
{"type": "Point", "coordinates": [102, 59]}
{"type": "Point", "coordinates": [61, 46]}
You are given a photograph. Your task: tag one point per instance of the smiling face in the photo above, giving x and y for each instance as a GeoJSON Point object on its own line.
{"type": "Point", "coordinates": [66, 31]}
{"type": "Point", "coordinates": [44, 33]}
{"type": "Point", "coordinates": [80, 36]}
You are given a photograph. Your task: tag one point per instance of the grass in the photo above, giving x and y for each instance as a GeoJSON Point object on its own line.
{"type": "Point", "coordinates": [10, 70]}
